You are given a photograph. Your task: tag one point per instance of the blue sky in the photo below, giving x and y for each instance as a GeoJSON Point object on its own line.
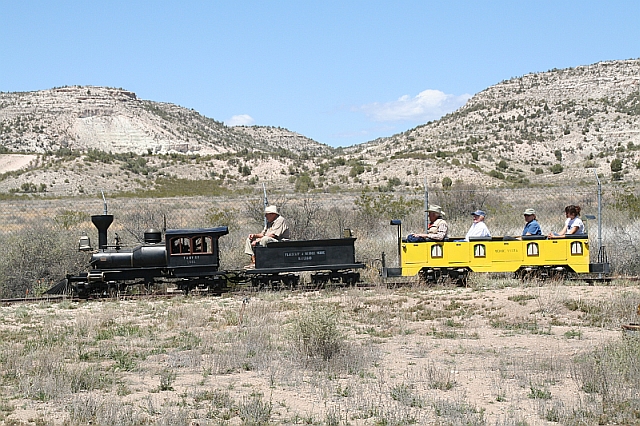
{"type": "Point", "coordinates": [340, 72]}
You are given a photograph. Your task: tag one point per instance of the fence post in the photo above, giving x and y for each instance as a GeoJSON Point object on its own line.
{"type": "Point", "coordinates": [426, 205]}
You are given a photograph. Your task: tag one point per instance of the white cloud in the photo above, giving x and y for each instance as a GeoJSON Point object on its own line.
{"type": "Point", "coordinates": [426, 106]}
{"type": "Point", "coordinates": [240, 120]}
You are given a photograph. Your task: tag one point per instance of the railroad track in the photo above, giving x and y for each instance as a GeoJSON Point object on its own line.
{"type": "Point", "coordinates": [170, 294]}
{"type": "Point", "coordinates": [244, 289]}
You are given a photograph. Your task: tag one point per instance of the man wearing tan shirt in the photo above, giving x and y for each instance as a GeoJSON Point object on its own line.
{"type": "Point", "coordinates": [275, 230]}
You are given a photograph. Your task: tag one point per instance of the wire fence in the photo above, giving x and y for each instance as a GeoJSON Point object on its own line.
{"type": "Point", "coordinates": [40, 235]}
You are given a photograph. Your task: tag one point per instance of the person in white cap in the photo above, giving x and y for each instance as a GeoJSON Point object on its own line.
{"type": "Point", "coordinates": [531, 225]}
{"type": "Point", "coordinates": [276, 230]}
{"type": "Point", "coordinates": [437, 229]}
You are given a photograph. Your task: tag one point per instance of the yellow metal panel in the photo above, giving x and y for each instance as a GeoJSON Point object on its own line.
{"type": "Point", "coordinates": [414, 257]}
{"type": "Point", "coordinates": [456, 254]}
{"type": "Point", "coordinates": [555, 250]}
{"type": "Point", "coordinates": [501, 256]}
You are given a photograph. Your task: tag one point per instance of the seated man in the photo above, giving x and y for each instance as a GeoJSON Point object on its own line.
{"type": "Point", "coordinates": [437, 229]}
{"type": "Point", "coordinates": [531, 226]}
{"type": "Point", "coordinates": [478, 227]}
{"type": "Point", "coordinates": [276, 230]}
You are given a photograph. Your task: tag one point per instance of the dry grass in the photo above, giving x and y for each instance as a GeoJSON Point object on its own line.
{"type": "Point", "coordinates": [499, 352]}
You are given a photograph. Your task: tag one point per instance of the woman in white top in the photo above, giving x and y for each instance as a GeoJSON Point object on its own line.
{"type": "Point", "coordinates": [573, 225]}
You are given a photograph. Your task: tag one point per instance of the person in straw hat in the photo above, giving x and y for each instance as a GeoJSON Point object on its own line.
{"type": "Point", "coordinates": [437, 229]}
{"type": "Point", "coordinates": [275, 230]}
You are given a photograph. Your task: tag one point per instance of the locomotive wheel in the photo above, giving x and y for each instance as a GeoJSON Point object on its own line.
{"type": "Point", "coordinates": [350, 278]}
{"type": "Point", "coordinates": [529, 274]}
{"type": "Point", "coordinates": [459, 277]}
{"type": "Point", "coordinates": [81, 290]}
{"type": "Point", "coordinates": [320, 279]}
{"type": "Point", "coordinates": [558, 273]}
{"type": "Point", "coordinates": [429, 276]}
{"type": "Point", "coordinates": [290, 281]}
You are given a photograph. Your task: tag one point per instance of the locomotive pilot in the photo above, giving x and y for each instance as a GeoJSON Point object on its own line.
{"type": "Point", "coordinates": [275, 230]}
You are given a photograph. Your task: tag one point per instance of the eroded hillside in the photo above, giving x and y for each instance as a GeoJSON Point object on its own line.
{"type": "Point", "coordinates": [542, 128]}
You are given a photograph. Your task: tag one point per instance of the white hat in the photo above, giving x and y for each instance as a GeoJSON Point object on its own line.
{"type": "Point", "coordinates": [271, 209]}
{"type": "Point", "coordinates": [435, 209]}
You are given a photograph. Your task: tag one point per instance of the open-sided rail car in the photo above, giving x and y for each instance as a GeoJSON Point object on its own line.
{"type": "Point", "coordinates": [528, 256]}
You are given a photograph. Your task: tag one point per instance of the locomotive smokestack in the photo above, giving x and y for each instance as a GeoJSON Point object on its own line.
{"type": "Point", "coordinates": [102, 222]}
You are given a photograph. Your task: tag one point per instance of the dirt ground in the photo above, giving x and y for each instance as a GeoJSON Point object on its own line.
{"type": "Point", "coordinates": [477, 355]}
{"type": "Point", "coordinates": [12, 162]}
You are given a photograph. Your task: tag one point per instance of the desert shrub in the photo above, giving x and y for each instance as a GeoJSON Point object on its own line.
{"type": "Point", "coordinates": [627, 202]}
{"type": "Point", "coordinates": [463, 199]}
{"type": "Point", "coordinates": [612, 371]}
{"type": "Point", "coordinates": [36, 258]}
{"type": "Point", "coordinates": [315, 335]}
{"type": "Point", "coordinates": [67, 219]}
{"type": "Point", "coordinates": [222, 217]}
{"type": "Point", "coordinates": [458, 413]}
{"type": "Point", "coordinates": [387, 206]}
{"type": "Point", "coordinates": [496, 174]}
{"type": "Point", "coordinates": [88, 409]}
{"type": "Point", "coordinates": [556, 169]}
{"type": "Point", "coordinates": [307, 220]}
{"type": "Point", "coordinates": [254, 411]}
{"type": "Point", "coordinates": [304, 183]}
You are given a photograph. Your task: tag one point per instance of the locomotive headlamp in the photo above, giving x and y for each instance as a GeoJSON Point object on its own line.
{"type": "Point", "coordinates": [84, 243]}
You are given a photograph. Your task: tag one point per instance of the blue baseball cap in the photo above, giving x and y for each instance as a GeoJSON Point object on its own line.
{"type": "Point", "coordinates": [478, 213]}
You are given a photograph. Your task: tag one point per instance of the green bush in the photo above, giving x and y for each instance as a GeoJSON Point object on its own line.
{"type": "Point", "coordinates": [496, 174]}
{"type": "Point", "coordinates": [556, 169]}
{"type": "Point", "coordinates": [304, 183]}
{"type": "Point", "coordinates": [385, 205]}
{"type": "Point", "coordinates": [616, 165]}
{"type": "Point", "coordinates": [315, 334]}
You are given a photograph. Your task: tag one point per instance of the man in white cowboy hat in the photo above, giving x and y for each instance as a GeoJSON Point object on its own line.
{"type": "Point", "coordinates": [437, 230]}
{"type": "Point", "coordinates": [275, 230]}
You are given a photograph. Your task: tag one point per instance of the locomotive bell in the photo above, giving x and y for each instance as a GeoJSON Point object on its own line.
{"type": "Point", "coordinates": [152, 236]}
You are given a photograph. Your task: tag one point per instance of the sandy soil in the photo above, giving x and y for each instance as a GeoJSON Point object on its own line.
{"type": "Point", "coordinates": [476, 354]}
{"type": "Point", "coordinates": [12, 162]}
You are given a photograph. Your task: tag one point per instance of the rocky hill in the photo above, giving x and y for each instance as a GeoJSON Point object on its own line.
{"type": "Point", "coordinates": [538, 128]}
{"type": "Point", "coordinates": [115, 120]}
{"type": "Point", "coordinates": [542, 128]}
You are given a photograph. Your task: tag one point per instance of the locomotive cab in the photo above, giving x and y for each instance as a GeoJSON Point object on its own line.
{"type": "Point", "coordinates": [191, 252]}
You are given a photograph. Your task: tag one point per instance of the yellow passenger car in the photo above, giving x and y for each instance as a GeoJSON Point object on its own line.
{"type": "Point", "coordinates": [538, 255]}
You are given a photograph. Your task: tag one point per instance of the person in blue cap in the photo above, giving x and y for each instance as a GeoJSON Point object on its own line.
{"type": "Point", "coordinates": [478, 227]}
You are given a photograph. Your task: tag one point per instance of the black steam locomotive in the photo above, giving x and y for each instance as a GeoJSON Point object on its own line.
{"type": "Point", "coordinates": [190, 259]}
